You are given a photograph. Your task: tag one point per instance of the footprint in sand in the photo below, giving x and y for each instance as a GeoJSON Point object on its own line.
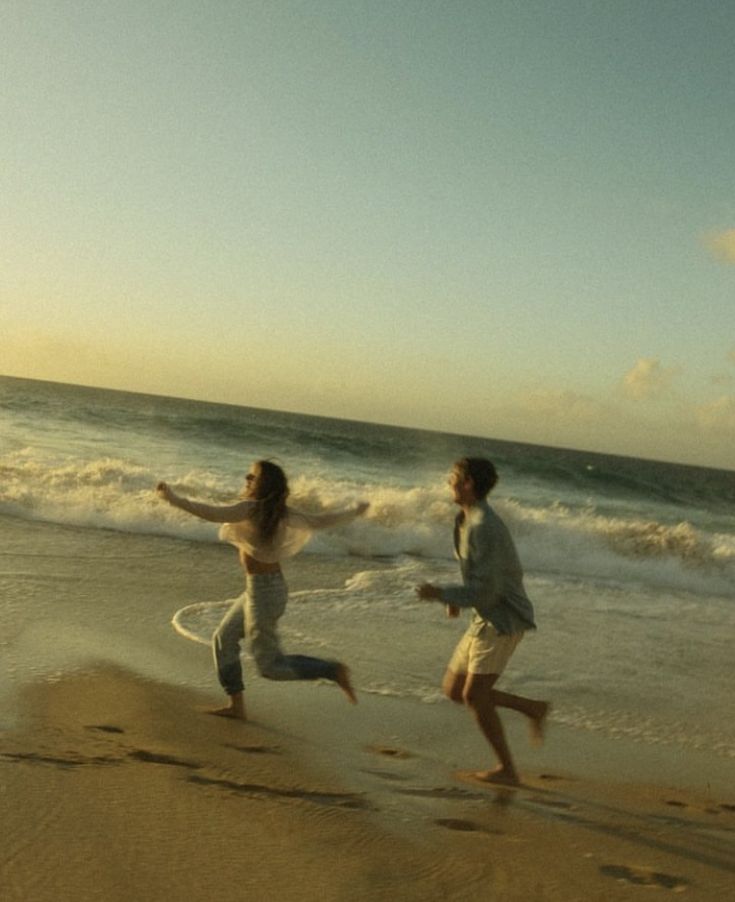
{"type": "Point", "coordinates": [385, 774]}
{"type": "Point", "coordinates": [463, 826]}
{"type": "Point", "coordinates": [440, 792]}
{"type": "Point", "coordinates": [642, 876]}
{"type": "Point", "coordinates": [455, 823]}
{"type": "Point", "coordinates": [157, 758]}
{"type": "Point", "coordinates": [255, 749]}
{"type": "Point", "coordinates": [256, 790]}
{"type": "Point", "coordinates": [56, 761]}
{"type": "Point", "coordinates": [551, 803]}
{"type": "Point", "coordinates": [388, 752]}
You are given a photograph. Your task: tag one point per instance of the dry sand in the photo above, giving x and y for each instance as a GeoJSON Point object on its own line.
{"type": "Point", "coordinates": [115, 787]}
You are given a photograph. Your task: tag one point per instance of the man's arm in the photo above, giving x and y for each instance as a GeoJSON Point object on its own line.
{"type": "Point", "coordinates": [482, 573]}
{"type": "Point", "coordinates": [430, 592]}
{"type": "Point", "coordinates": [454, 596]}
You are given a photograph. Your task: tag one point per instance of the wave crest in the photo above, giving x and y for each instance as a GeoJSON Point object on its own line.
{"type": "Point", "coordinates": [115, 494]}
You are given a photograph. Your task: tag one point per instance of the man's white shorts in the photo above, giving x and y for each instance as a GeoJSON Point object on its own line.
{"type": "Point", "coordinates": [483, 650]}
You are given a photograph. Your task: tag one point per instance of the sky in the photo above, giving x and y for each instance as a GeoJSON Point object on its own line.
{"type": "Point", "coordinates": [507, 219]}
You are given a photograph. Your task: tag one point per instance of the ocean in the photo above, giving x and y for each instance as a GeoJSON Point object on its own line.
{"type": "Point", "coordinates": [630, 563]}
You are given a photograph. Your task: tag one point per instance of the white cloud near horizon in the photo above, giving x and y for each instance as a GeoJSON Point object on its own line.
{"type": "Point", "coordinates": [647, 378]}
{"type": "Point", "coordinates": [722, 245]}
{"type": "Point", "coordinates": [692, 433]}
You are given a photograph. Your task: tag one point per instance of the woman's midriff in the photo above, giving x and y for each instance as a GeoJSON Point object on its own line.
{"type": "Point", "coordinates": [252, 565]}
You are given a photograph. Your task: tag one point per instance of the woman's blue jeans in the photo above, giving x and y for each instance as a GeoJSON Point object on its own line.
{"type": "Point", "coordinates": [255, 616]}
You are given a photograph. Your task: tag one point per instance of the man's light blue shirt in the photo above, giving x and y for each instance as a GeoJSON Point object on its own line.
{"type": "Point", "coordinates": [492, 576]}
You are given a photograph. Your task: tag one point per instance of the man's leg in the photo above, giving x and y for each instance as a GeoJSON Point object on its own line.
{"type": "Point", "coordinates": [479, 697]}
{"type": "Point", "coordinates": [475, 691]}
{"type": "Point", "coordinates": [536, 711]}
{"type": "Point", "coordinates": [489, 653]}
{"type": "Point", "coordinates": [453, 686]}
{"type": "Point", "coordinates": [456, 672]}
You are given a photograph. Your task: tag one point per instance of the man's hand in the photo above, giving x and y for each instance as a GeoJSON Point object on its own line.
{"type": "Point", "coordinates": [428, 592]}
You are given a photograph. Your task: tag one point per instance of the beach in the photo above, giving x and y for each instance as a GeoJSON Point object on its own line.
{"type": "Point", "coordinates": [115, 788]}
{"type": "Point", "coordinates": [285, 286]}
{"type": "Point", "coordinates": [117, 784]}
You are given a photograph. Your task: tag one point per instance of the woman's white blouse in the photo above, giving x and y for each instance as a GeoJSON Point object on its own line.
{"type": "Point", "coordinates": [293, 532]}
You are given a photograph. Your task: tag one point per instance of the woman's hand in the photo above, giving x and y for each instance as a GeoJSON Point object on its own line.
{"type": "Point", "coordinates": [163, 490]}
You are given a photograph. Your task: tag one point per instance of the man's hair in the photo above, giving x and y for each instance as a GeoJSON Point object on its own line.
{"type": "Point", "coordinates": [481, 471]}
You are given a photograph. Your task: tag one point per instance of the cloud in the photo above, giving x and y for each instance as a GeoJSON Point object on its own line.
{"type": "Point", "coordinates": [722, 245]}
{"type": "Point", "coordinates": [647, 378]}
{"type": "Point", "coordinates": [679, 430]}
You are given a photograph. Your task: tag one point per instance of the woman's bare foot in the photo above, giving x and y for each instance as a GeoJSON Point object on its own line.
{"type": "Point", "coordinates": [538, 723]}
{"type": "Point", "coordinates": [342, 679]}
{"type": "Point", "coordinates": [499, 776]}
{"type": "Point", "coordinates": [235, 710]}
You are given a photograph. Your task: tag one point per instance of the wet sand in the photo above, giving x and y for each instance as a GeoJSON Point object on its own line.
{"type": "Point", "coordinates": [117, 787]}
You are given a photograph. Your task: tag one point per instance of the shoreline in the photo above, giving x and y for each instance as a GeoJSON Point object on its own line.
{"type": "Point", "coordinates": [109, 597]}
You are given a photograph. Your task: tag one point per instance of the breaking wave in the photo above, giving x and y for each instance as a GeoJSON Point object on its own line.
{"type": "Point", "coordinates": [110, 493]}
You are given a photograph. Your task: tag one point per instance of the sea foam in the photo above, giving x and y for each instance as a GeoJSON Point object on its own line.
{"type": "Point", "coordinates": [112, 493]}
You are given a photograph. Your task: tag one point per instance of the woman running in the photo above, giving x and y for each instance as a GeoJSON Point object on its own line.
{"type": "Point", "coordinates": [264, 530]}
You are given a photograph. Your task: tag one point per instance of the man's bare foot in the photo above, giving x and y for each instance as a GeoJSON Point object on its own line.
{"type": "Point", "coordinates": [342, 679]}
{"type": "Point", "coordinates": [538, 723]}
{"type": "Point", "coordinates": [499, 776]}
{"type": "Point", "coordinates": [235, 710]}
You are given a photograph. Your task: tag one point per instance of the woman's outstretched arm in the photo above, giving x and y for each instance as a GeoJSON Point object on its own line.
{"type": "Point", "coordinates": [231, 513]}
{"type": "Point", "coordinates": [335, 518]}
